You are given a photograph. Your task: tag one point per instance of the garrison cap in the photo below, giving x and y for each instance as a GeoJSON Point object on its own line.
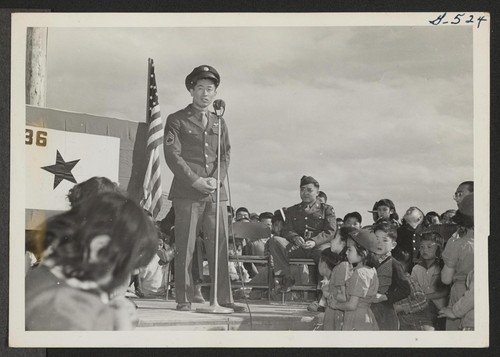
{"type": "Point", "coordinates": [305, 180]}
{"type": "Point", "coordinates": [201, 72]}
{"type": "Point", "coordinates": [365, 238]}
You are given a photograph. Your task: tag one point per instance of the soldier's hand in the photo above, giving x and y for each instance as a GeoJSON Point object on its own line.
{"type": "Point", "coordinates": [298, 241]}
{"type": "Point", "coordinates": [310, 244]}
{"type": "Point", "coordinates": [212, 182]}
{"type": "Point", "coordinates": [202, 185]}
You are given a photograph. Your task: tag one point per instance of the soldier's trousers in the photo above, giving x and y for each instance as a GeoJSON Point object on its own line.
{"type": "Point", "coordinates": [191, 217]}
{"type": "Point", "coordinates": [281, 249]}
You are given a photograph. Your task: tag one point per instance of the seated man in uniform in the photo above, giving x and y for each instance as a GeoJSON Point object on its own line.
{"type": "Point", "coordinates": [309, 228]}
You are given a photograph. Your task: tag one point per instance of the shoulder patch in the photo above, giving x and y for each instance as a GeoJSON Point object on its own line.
{"type": "Point", "coordinates": [169, 139]}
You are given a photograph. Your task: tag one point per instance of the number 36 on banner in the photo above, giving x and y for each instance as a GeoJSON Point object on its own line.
{"type": "Point", "coordinates": [38, 137]}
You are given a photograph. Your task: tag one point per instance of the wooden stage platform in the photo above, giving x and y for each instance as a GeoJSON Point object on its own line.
{"type": "Point", "coordinates": [159, 314]}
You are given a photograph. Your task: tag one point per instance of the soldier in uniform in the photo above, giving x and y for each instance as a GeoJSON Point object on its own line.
{"type": "Point", "coordinates": [190, 146]}
{"type": "Point", "coordinates": [309, 228]}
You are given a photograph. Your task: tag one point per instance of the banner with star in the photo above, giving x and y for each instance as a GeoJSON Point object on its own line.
{"type": "Point", "coordinates": [60, 159]}
{"type": "Point", "coordinates": [64, 148]}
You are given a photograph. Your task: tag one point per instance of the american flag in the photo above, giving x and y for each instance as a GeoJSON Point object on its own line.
{"type": "Point", "coordinates": [152, 189]}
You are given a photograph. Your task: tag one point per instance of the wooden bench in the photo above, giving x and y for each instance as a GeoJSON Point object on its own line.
{"type": "Point", "coordinates": [258, 260]}
{"type": "Point", "coordinates": [311, 287]}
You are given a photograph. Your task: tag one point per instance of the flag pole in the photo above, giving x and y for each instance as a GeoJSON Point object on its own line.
{"type": "Point", "coordinates": [147, 90]}
{"type": "Point", "coordinates": [148, 114]}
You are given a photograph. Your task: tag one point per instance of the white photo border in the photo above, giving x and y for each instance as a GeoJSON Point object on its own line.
{"type": "Point", "coordinates": [18, 337]}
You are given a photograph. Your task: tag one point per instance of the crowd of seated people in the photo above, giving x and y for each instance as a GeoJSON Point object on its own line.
{"type": "Point", "coordinates": [414, 273]}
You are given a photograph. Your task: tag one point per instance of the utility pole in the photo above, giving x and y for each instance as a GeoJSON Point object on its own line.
{"type": "Point", "coordinates": [36, 66]}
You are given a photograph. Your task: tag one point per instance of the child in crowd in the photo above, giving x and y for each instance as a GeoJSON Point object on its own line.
{"type": "Point", "coordinates": [94, 247]}
{"type": "Point", "coordinates": [327, 262]}
{"type": "Point", "coordinates": [393, 284]}
{"type": "Point", "coordinates": [362, 286]}
{"type": "Point", "coordinates": [410, 311]}
{"type": "Point", "coordinates": [386, 211]}
{"type": "Point", "coordinates": [427, 274]}
{"type": "Point", "coordinates": [340, 272]}
{"type": "Point", "coordinates": [463, 309]}
{"type": "Point", "coordinates": [431, 218]}
{"type": "Point", "coordinates": [353, 219]}
{"type": "Point", "coordinates": [339, 242]}
{"type": "Point", "coordinates": [152, 276]}
{"type": "Point", "coordinates": [458, 256]}
{"type": "Point", "coordinates": [338, 247]}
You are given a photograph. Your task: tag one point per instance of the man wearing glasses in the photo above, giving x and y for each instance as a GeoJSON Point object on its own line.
{"type": "Point", "coordinates": [309, 228]}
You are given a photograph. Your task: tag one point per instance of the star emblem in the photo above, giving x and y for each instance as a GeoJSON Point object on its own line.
{"type": "Point", "coordinates": [61, 170]}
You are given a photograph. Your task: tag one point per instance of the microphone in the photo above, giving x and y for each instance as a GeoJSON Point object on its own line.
{"type": "Point", "coordinates": [219, 107]}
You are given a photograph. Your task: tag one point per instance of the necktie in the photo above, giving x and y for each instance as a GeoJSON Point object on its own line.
{"type": "Point", "coordinates": [204, 119]}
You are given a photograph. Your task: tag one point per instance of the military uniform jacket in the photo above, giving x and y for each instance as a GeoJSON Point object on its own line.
{"type": "Point", "coordinates": [320, 220]}
{"type": "Point", "coordinates": [191, 152]}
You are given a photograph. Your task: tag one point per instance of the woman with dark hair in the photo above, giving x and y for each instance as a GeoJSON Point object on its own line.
{"type": "Point", "coordinates": [93, 249]}
{"type": "Point", "coordinates": [88, 189]}
{"type": "Point", "coordinates": [458, 255]}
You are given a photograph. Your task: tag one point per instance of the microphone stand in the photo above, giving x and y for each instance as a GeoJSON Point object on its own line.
{"type": "Point", "coordinates": [214, 307]}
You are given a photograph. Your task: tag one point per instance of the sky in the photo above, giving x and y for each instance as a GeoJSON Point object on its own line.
{"type": "Point", "coordinates": [370, 112]}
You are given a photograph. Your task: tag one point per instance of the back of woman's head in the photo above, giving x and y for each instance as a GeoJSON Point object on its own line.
{"type": "Point", "coordinates": [132, 238]}
{"type": "Point", "coordinates": [88, 189]}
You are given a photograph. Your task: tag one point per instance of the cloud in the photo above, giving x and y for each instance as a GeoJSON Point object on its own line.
{"type": "Point", "coordinates": [370, 112]}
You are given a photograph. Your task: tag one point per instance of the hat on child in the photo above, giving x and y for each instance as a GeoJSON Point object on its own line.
{"type": "Point", "coordinates": [374, 209]}
{"type": "Point", "coordinates": [365, 238]}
